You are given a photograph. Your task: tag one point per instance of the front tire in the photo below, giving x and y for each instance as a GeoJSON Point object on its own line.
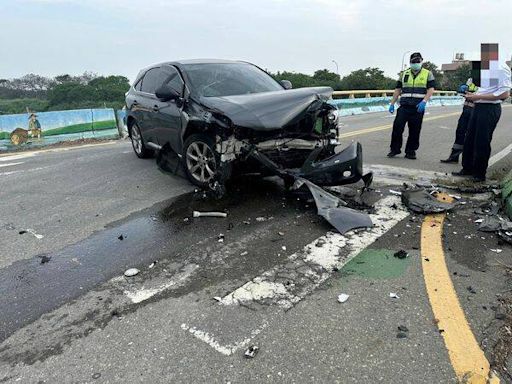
{"type": "Point", "coordinates": [138, 145]}
{"type": "Point", "coordinates": [200, 160]}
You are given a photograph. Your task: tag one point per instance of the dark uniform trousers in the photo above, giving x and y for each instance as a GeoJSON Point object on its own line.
{"type": "Point", "coordinates": [462, 127]}
{"type": "Point", "coordinates": [477, 146]}
{"type": "Point", "coordinates": [406, 114]}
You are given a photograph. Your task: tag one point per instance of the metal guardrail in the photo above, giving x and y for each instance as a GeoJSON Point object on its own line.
{"type": "Point", "coordinates": [378, 93]}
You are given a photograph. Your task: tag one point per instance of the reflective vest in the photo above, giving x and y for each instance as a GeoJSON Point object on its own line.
{"type": "Point", "coordinates": [472, 88]}
{"type": "Point", "coordinates": [414, 88]}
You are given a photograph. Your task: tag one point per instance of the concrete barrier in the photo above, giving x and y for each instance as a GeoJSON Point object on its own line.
{"type": "Point", "coordinates": [29, 130]}
{"type": "Point", "coordinates": [358, 106]}
{"type": "Point", "coordinates": [506, 194]}
{"type": "Point", "coordinates": [379, 93]}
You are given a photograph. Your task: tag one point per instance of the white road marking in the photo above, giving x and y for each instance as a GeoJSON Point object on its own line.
{"type": "Point", "coordinates": [11, 164]}
{"type": "Point", "coordinates": [22, 170]}
{"type": "Point", "coordinates": [8, 157]}
{"type": "Point", "coordinates": [316, 263]}
{"type": "Point", "coordinates": [226, 350]}
{"type": "Point", "coordinates": [500, 155]}
{"type": "Point", "coordinates": [145, 293]}
{"type": "Point", "coordinates": [17, 157]}
{"type": "Point", "coordinates": [397, 175]}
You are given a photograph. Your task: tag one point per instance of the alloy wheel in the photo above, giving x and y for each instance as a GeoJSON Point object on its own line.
{"type": "Point", "coordinates": [201, 161]}
{"type": "Point", "coordinates": [136, 139]}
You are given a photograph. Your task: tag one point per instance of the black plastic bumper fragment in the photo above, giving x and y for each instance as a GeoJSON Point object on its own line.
{"type": "Point", "coordinates": [345, 167]}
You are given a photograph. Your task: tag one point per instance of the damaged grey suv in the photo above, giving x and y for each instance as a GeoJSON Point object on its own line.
{"type": "Point", "coordinates": [222, 117]}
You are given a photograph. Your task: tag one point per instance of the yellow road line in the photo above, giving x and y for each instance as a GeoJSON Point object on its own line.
{"type": "Point", "coordinates": [467, 359]}
{"type": "Point", "coordinates": [389, 126]}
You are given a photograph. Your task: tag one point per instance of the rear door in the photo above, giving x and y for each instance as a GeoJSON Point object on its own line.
{"type": "Point", "coordinates": [146, 103]}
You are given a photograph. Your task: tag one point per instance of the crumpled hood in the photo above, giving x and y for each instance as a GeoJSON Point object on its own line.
{"type": "Point", "coordinates": [267, 110]}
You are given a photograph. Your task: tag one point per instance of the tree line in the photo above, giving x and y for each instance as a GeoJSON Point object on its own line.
{"type": "Point", "coordinates": [39, 93]}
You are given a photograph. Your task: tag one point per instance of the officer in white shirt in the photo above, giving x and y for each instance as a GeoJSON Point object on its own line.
{"type": "Point", "coordinates": [485, 117]}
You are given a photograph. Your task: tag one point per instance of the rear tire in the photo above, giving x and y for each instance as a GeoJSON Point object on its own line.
{"type": "Point", "coordinates": [138, 145]}
{"type": "Point", "coordinates": [200, 160]}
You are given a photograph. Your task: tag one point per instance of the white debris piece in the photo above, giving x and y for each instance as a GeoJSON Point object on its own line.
{"type": "Point", "coordinates": [131, 272]}
{"type": "Point", "coordinates": [497, 250]}
{"type": "Point", "coordinates": [152, 264]}
{"type": "Point", "coordinates": [244, 253]}
{"type": "Point", "coordinates": [261, 218]}
{"type": "Point", "coordinates": [283, 248]}
{"type": "Point", "coordinates": [38, 236]}
{"type": "Point", "coordinates": [479, 221]}
{"type": "Point", "coordinates": [209, 214]}
{"type": "Point", "coordinates": [343, 297]}
{"type": "Point", "coordinates": [393, 192]}
{"type": "Point", "coordinates": [394, 295]}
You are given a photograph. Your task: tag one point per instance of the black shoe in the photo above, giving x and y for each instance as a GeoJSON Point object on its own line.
{"type": "Point", "coordinates": [462, 173]}
{"type": "Point", "coordinates": [393, 153]}
{"type": "Point", "coordinates": [410, 155]}
{"type": "Point", "coordinates": [478, 179]}
{"type": "Point", "coordinates": [454, 156]}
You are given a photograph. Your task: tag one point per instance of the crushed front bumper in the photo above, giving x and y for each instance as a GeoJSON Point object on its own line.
{"type": "Point", "coordinates": [345, 167]}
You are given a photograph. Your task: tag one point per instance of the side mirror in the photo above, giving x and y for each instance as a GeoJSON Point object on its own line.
{"type": "Point", "coordinates": [286, 84]}
{"type": "Point", "coordinates": [166, 93]}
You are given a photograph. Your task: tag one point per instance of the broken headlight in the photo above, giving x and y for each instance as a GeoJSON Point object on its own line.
{"type": "Point", "coordinates": [333, 116]}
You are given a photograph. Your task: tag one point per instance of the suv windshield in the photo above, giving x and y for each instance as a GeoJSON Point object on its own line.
{"type": "Point", "coordinates": [229, 79]}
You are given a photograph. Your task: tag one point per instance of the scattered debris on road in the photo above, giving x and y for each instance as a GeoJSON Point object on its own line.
{"type": "Point", "coordinates": [343, 297]}
{"type": "Point", "coordinates": [262, 219]}
{"type": "Point", "coordinates": [251, 352]}
{"type": "Point", "coordinates": [403, 331]}
{"type": "Point", "coordinates": [334, 210]}
{"type": "Point", "coordinates": [471, 290]}
{"type": "Point", "coordinates": [32, 232]}
{"type": "Point", "coordinates": [401, 254]}
{"type": "Point", "coordinates": [393, 295]}
{"type": "Point", "coordinates": [152, 264]}
{"type": "Point", "coordinates": [131, 272]}
{"type": "Point", "coordinates": [44, 258]}
{"type": "Point", "coordinates": [419, 200]}
{"type": "Point", "coordinates": [120, 237]}
{"type": "Point", "coordinates": [210, 214]}
{"type": "Point", "coordinates": [220, 238]}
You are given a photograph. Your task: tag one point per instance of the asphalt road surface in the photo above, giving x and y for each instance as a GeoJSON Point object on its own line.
{"type": "Point", "coordinates": [272, 280]}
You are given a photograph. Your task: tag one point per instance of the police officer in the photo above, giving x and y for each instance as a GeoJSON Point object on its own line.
{"type": "Point", "coordinates": [415, 87]}
{"type": "Point", "coordinates": [484, 119]}
{"type": "Point", "coordinates": [462, 125]}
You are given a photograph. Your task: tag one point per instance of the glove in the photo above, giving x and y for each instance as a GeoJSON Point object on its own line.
{"type": "Point", "coordinates": [391, 108]}
{"type": "Point", "coordinates": [463, 88]}
{"type": "Point", "coordinates": [421, 107]}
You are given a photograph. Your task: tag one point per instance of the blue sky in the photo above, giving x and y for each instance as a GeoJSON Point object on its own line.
{"type": "Point", "coordinates": [52, 37]}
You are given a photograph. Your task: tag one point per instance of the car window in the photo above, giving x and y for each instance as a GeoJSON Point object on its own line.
{"type": "Point", "coordinates": [156, 77]}
{"type": "Point", "coordinates": [227, 79]}
{"type": "Point", "coordinates": [174, 80]}
{"type": "Point", "coordinates": [138, 85]}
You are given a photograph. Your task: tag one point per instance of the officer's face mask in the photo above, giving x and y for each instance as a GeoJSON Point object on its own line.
{"type": "Point", "coordinates": [415, 66]}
